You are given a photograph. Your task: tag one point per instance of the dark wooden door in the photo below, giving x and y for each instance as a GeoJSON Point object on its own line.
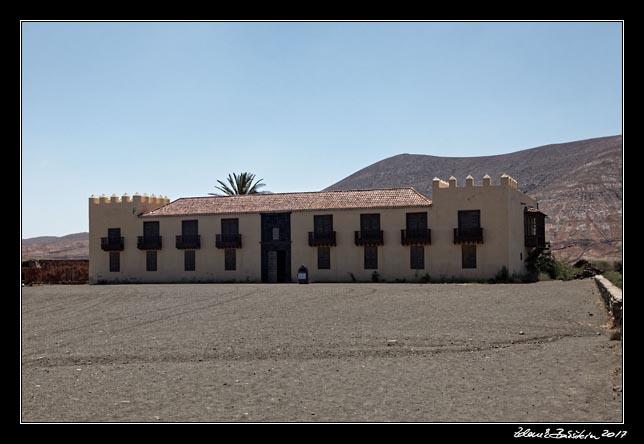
{"type": "Point", "coordinates": [276, 247]}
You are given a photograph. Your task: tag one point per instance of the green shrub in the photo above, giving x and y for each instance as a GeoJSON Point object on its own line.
{"type": "Point", "coordinates": [617, 266]}
{"type": "Point", "coordinates": [563, 271]}
{"type": "Point", "coordinates": [547, 264]}
{"type": "Point", "coordinates": [544, 277]}
{"type": "Point", "coordinates": [502, 276]}
{"type": "Point", "coordinates": [425, 279]}
{"type": "Point", "coordinates": [375, 276]}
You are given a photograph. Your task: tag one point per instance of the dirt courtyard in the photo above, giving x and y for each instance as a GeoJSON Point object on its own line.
{"type": "Point", "coordinates": [319, 352]}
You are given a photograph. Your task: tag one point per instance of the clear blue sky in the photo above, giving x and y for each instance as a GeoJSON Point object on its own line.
{"type": "Point", "coordinates": [168, 108]}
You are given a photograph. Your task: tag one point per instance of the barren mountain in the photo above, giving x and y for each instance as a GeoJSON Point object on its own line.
{"type": "Point", "coordinates": [72, 246]}
{"type": "Point", "coordinates": [578, 184]}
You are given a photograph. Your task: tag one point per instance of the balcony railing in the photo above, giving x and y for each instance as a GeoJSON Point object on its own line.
{"type": "Point", "coordinates": [148, 242]}
{"type": "Point", "coordinates": [371, 237]}
{"type": "Point", "coordinates": [112, 243]}
{"type": "Point", "coordinates": [468, 235]}
{"type": "Point", "coordinates": [416, 237]}
{"type": "Point", "coordinates": [189, 242]}
{"type": "Point", "coordinates": [228, 241]}
{"type": "Point", "coordinates": [322, 239]}
{"type": "Point", "coordinates": [535, 241]}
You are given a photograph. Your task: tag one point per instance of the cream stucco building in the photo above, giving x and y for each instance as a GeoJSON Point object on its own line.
{"type": "Point", "coordinates": [463, 231]}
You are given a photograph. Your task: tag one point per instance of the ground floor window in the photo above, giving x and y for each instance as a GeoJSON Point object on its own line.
{"type": "Point", "coordinates": [417, 257]}
{"type": "Point", "coordinates": [370, 257]}
{"type": "Point", "coordinates": [230, 259]}
{"type": "Point", "coordinates": [189, 260]}
{"type": "Point", "coordinates": [151, 260]}
{"type": "Point", "coordinates": [115, 261]}
{"type": "Point", "coordinates": [469, 256]}
{"type": "Point", "coordinates": [324, 258]}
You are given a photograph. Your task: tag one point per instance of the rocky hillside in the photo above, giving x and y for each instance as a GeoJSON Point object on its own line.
{"type": "Point", "coordinates": [578, 184]}
{"type": "Point", "coordinates": [72, 246]}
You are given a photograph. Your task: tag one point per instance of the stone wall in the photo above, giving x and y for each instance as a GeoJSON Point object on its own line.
{"type": "Point", "coordinates": [612, 298]}
{"type": "Point", "coordinates": [68, 271]}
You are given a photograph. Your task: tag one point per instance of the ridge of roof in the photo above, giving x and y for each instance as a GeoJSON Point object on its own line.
{"type": "Point", "coordinates": [304, 192]}
{"type": "Point", "coordinates": [251, 203]}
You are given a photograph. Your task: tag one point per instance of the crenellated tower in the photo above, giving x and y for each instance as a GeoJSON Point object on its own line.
{"type": "Point", "coordinates": [109, 219]}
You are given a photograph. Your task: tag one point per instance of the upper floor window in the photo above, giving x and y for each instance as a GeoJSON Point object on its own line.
{"type": "Point", "coordinates": [370, 222]}
{"type": "Point", "coordinates": [323, 224]}
{"type": "Point", "coordinates": [469, 219]}
{"type": "Point", "coordinates": [416, 222]}
{"type": "Point", "coordinates": [189, 227]}
{"type": "Point", "coordinates": [229, 226]}
{"type": "Point", "coordinates": [150, 229]}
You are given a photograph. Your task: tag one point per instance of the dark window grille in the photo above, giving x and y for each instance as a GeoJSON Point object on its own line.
{"type": "Point", "coordinates": [189, 260]}
{"type": "Point", "coordinates": [469, 256]}
{"type": "Point", "coordinates": [189, 227]}
{"type": "Point", "coordinates": [324, 258]}
{"type": "Point", "coordinates": [370, 257]}
{"type": "Point", "coordinates": [417, 257]}
{"type": "Point", "coordinates": [469, 220]}
{"type": "Point", "coordinates": [416, 222]}
{"type": "Point", "coordinates": [230, 259]}
{"type": "Point", "coordinates": [323, 224]}
{"type": "Point", "coordinates": [370, 222]}
{"type": "Point", "coordinates": [150, 229]}
{"type": "Point", "coordinates": [230, 226]}
{"type": "Point", "coordinates": [151, 260]}
{"type": "Point", "coordinates": [115, 261]}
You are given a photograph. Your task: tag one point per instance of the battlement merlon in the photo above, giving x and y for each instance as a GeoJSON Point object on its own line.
{"type": "Point", "coordinates": [126, 199]}
{"type": "Point", "coordinates": [505, 181]}
{"type": "Point", "coordinates": [127, 205]}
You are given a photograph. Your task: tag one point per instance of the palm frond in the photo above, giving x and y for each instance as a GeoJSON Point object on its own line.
{"type": "Point", "coordinates": [239, 184]}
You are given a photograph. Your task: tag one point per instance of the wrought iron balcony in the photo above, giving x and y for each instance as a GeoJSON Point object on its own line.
{"type": "Point", "coordinates": [370, 237]}
{"type": "Point", "coordinates": [189, 242]}
{"type": "Point", "coordinates": [535, 241]}
{"type": "Point", "coordinates": [148, 242]}
{"type": "Point", "coordinates": [416, 237]}
{"type": "Point", "coordinates": [112, 243]}
{"type": "Point", "coordinates": [228, 241]}
{"type": "Point", "coordinates": [322, 239]}
{"type": "Point", "coordinates": [468, 235]}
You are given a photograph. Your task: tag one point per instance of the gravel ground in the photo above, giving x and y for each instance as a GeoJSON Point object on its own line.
{"type": "Point", "coordinates": [319, 352]}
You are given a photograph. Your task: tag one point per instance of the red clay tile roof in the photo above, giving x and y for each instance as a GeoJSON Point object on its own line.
{"type": "Point", "coordinates": [322, 200]}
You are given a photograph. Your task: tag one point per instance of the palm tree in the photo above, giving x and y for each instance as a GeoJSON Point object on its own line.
{"type": "Point", "coordinates": [242, 184]}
